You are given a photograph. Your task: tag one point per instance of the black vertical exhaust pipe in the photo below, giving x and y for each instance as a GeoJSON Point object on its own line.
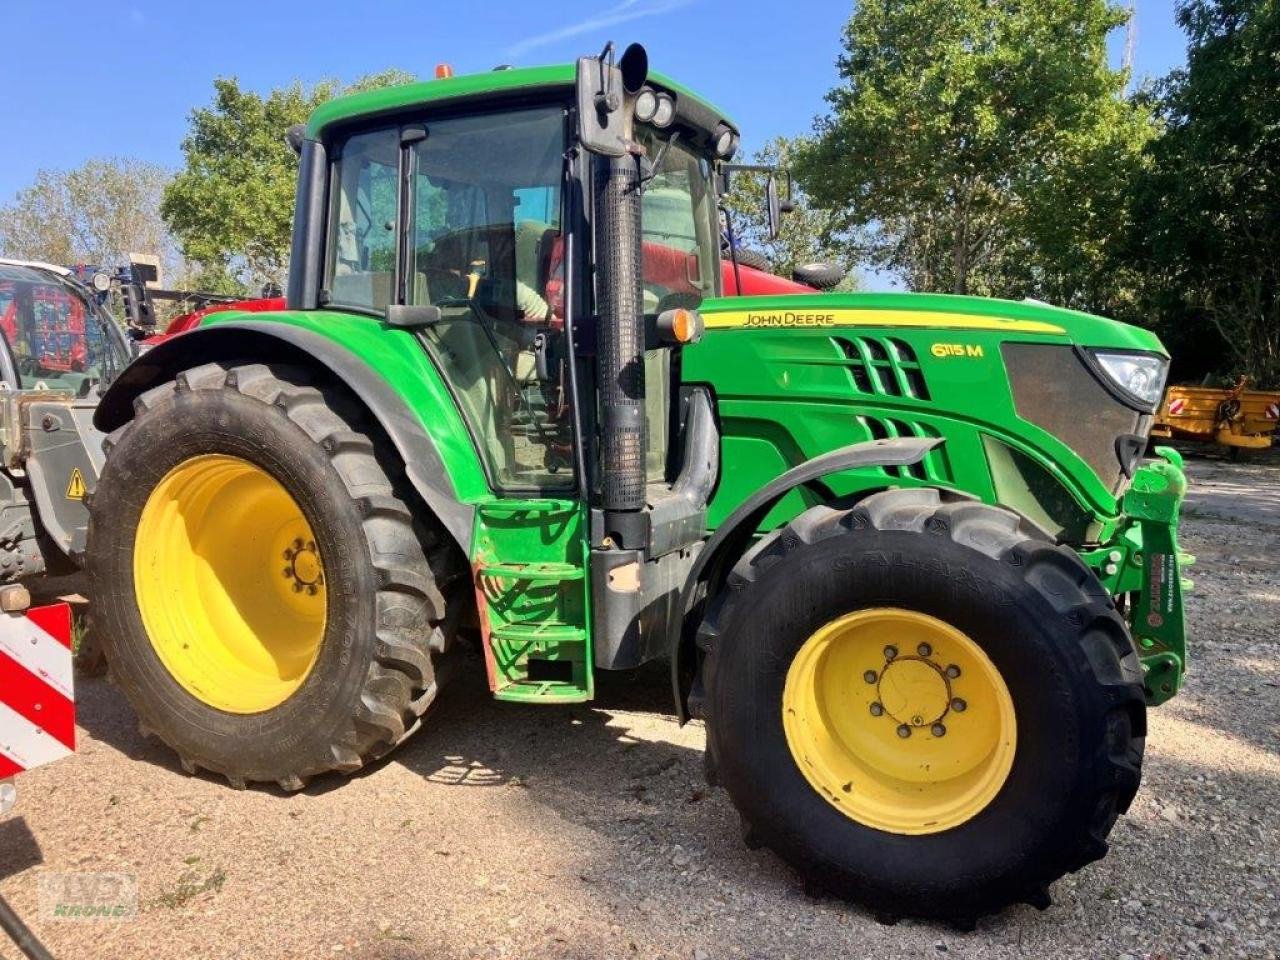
{"type": "Point", "coordinates": [620, 297]}
{"type": "Point", "coordinates": [620, 349]}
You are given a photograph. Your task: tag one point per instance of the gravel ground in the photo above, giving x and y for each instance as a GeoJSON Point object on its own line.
{"type": "Point", "coordinates": [509, 831]}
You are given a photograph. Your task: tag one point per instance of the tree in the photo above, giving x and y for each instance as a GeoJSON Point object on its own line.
{"type": "Point", "coordinates": [1208, 212]}
{"type": "Point", "coordinates": [98, 214]}
{"type": "Point", "coordinates": [807, 234]}
{"type": "Point", "coordinates": [981, 147]}
{"type": "Point", "coordinates": [232, 204]}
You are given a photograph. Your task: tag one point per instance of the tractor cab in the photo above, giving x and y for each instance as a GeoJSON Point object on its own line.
{"type": "Point", "coordinates": [548, 260]}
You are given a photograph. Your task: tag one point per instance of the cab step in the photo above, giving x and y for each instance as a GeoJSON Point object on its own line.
{"type": "Point", "coordinates": [530, 578]}
{"type": "Point", "coordinates": [533, 571]}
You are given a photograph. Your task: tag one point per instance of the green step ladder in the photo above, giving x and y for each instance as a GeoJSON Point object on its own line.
{"type": "Point", "coordinates": [530, 564]}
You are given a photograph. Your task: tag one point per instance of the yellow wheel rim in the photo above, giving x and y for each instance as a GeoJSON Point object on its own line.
{"type": "Point", "coordinates": [899, 720]}
{"type": "Point", "coordinates": [230, 583]}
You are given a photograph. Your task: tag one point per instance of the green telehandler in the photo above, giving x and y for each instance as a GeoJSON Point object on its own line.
{"type": "Point", "coordinates": [903, 552]}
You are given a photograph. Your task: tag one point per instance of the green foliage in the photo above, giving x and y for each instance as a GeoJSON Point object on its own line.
{"type": "Point", "coordinates": [1208, 212]}
{"type": "Point", "coordinates": [982, 147]}
{"type": "Point", "coordinates": [232, 205]}
{"type": "Point", "coordinates": [98, 213]}
{"type": "Point", "coordinates": [807, 234]}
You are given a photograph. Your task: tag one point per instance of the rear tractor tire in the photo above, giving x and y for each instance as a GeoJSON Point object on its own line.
{"type": "Point", "coordinates": [922, 705]}
{"type": "Point", "coordinates": [266, 598]}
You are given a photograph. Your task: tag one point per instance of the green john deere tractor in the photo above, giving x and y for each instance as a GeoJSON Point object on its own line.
{"type": "Point", "coordinates": [903, 553]}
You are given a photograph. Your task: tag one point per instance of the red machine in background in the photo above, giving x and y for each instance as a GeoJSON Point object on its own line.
{"type": "Point", "coordinates": [755, 282]}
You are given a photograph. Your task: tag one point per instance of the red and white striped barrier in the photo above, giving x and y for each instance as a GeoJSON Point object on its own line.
{"type": "Point", "coordinates": [37, 698]}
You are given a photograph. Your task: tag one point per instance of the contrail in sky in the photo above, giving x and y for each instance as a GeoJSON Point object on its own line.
{"type": "Point", "coordinates": [624, 11]}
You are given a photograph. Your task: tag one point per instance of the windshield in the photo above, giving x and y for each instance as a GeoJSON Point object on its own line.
{"type": "Point", "coordinates": [681, 244]}
{"type": "Point", "coordinates": [58, 337]}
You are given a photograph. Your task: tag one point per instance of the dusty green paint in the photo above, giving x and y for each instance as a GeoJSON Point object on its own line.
{"type": "Point", "coordinates": [522, 80]}
{"type": "Point", "coordinates": [404, 365]}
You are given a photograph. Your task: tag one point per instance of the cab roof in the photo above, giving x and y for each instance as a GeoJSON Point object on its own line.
{"type": "Point", "coordinates": [513, 81]}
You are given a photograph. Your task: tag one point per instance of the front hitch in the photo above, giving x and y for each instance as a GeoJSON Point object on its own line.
{"type": "Point", "coordinates": [1143, 562]}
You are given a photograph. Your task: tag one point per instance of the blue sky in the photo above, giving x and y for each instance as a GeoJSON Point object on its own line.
{"type": "Point", "coordinates": [119, 79]}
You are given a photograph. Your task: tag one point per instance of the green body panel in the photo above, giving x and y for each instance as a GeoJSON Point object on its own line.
{"type": "Point", "coordinates": [360, 106]}
{"type": "Point", "coordinates": [785, 395]}
{"type": "Point", "coordinates": [402, 362]}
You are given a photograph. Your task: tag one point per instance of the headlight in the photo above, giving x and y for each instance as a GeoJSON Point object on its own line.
{"type": "Point", "coordinates": [665, 111]}
{"type": "Point", "coordinates": [1138, 377]}
{"type": "Point", "coordinates": [646, 105]}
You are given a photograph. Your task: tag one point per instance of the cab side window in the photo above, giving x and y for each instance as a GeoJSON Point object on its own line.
{"type": "Point", "coordinates": [362, 249]}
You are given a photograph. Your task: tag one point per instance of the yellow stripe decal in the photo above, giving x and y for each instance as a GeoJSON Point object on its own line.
{"type": "Point", "coordinates": [782, 319]}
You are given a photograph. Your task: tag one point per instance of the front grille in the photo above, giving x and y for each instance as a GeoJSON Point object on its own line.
{"type": "Point", "coordinates": [1053, 389]}
{"type": "Point", "coordinates": [883, 366]}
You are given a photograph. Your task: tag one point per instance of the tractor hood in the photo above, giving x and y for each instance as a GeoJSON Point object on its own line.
{"type": "Point", "coordinates": [1026, 319]}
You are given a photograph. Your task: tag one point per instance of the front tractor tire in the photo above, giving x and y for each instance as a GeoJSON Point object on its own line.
{"type": "Point", "coordinates": [263, 591]}
{"type": "Point", "coordinates": [922, 705]}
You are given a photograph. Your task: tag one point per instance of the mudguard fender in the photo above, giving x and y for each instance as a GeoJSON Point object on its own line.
{"type": "Point", "coordinates": [279, 342]}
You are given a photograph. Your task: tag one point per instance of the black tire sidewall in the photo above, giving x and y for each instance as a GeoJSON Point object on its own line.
{"type": "Point", "coordinates": [1060, 722]}
{"type": "Point", "coordinates": [297, 734]}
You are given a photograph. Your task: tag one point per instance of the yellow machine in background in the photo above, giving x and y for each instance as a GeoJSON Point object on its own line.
{"type": "Point", "coordinates": [1235, 417]}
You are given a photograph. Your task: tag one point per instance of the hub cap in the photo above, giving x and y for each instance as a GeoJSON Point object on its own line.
{"type": "Point", "coordinates": [899, 720]}
{"type": "Point", "coordinates": [229, 584]}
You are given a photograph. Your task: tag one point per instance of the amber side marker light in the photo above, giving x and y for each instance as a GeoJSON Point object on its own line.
{"type": "Point", "coordinates": [680, 325]}
{"type": "Point", "coordinates": [443, 71]}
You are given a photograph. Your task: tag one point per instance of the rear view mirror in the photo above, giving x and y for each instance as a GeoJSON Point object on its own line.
{"type": "Point", "coordinates": [774, 205]}
{"type": "Point", "coordinates": [602, 91]}
{"type": "Point", "coordinates": [412, 315]}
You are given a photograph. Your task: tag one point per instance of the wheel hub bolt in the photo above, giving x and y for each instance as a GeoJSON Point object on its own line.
{"type": "Point", "coordinates": [953, 671]}
{"type": "Point", "coordinates": [877, 709]}
{"type": "Point", "coordinates": [904, 731]}
{"type": "Point", "coordinates": [938, 730]}
{"type": "Point", "coordinates": [869, 676]}
{"type": "Point", "coordinates": [958, 705]}
{"type": "Point", "coordinates": [890, 652]}
{"type": "Point", "coordinates": [924, 649]}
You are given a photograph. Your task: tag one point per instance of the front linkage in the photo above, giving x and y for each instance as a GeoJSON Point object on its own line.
{"type": "Point", "coordinates": [1143, 562]}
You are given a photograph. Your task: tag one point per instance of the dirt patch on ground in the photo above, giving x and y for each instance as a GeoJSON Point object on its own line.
{"type": "Point", "coordinates": [503, 831]}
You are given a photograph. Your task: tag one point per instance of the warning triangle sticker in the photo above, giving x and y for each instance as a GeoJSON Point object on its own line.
{"type": "Point", "coordinates": [75, 486]}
